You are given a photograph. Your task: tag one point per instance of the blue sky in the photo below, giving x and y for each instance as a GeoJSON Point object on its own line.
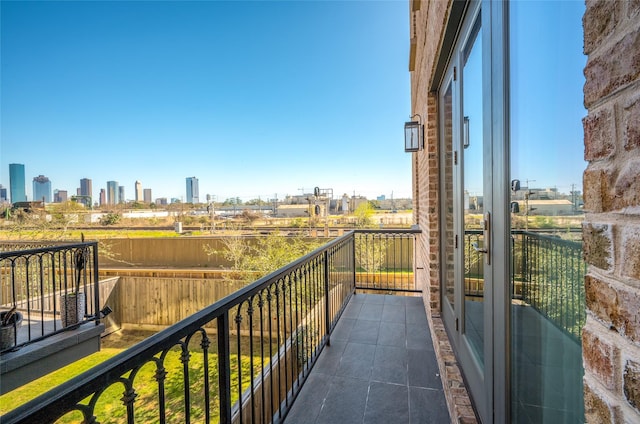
{"type": "Point", "coordinates": [252, 98]}
{"type": "Point", "coordinates": [547, 146]}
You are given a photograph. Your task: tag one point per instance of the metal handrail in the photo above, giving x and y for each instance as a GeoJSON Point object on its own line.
{"type": "Point", "coordinates": [326, 275]}
{"type": "Point", "coordinates": [34, 280]}
{"type": "Point", "coordinates": [547, 273]}
{"type": "Point", "coordinates": [553, 273]}
{"type": "Point", "coordinates": [385, 260]}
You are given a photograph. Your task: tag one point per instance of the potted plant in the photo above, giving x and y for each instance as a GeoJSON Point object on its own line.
{"type": "Point", "coordinates": [72, 304]}
{"type": "Point", "coordinates": [9, 323]}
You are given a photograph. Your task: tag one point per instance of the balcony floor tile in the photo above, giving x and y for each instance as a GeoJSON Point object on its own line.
{"type": "Point", "coordinates": [377, 369]}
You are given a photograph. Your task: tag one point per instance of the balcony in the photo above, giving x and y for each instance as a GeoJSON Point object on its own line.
{"type": "Point", "coordinates": [307, 343]}
{"type": "Point", "coordinates": [380, 368]}
{"type": "Point", "coordinates": [52, 293]}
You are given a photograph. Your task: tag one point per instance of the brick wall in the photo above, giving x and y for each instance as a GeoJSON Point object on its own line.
{"type": "Point", "coordinates": [611, 337]}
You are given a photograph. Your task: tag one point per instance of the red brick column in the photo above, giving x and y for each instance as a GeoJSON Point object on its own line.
{"type": "Point", "coordinates": [611, 337]}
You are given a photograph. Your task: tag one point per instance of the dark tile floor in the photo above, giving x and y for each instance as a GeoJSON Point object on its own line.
{"type": "Point", "coordinates": [380, 368]}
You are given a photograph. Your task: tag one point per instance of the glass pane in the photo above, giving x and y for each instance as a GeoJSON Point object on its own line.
{"type": "Point", "coordinates": [547, 310]}
{"type": "Point", "coordinates": [447, 195]}
{"type": "Point", "coordinates": [473, 194]}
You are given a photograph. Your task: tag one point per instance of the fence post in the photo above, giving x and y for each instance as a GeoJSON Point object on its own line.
{"type": "Point", "coordinates": [96, 285]}
{"type": "Point", "coordinates": [327, 320]}
{"type": "Point", "coordinates": [353, 261]}
{"type": "Point", "coordinates": [224, 368]}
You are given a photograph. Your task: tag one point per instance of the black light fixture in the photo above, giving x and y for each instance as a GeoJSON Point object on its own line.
{"type": "Point", "coordinates": [105, 311]}
{"type": "Point", "coordinates": [413, 135]}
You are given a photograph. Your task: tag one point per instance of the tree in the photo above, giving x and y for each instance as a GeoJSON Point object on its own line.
{"type": "Point", "coordinates": [137, 205]}
{"type": "Point", "coordinates": [254, 258]}
{"type": "Point", "coordinates": [249, 216]}
{"type": "Point", "coordinates": [110, 219]}
{"type": "Point", "coordinates": [256, 202]}
{"type": "Point", "coordinates": [371, 252]}
{"type": "Point", "coordinates": [364, 215]}
{"type": "Point", "coordinates": [232, 201]}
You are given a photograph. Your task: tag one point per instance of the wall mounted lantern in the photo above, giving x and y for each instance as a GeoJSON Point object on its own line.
{"type": "Point", "coordinates": [413, 135]}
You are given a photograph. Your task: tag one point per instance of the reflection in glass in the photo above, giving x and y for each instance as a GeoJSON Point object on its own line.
{"type": "Point", "coordinates": [473, 194]}
{"type": "Point", "coordinates": [547, 311]}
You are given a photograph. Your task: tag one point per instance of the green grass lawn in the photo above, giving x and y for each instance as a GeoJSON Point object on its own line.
{"type": "Point", "coordinates": [110, 408]}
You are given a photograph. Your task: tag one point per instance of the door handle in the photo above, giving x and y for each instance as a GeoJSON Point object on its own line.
{"type": "Point", "coordinates": [487, 237]}
{"type": "Point", "coordinates": [477, 249]}
{"type": "Point", "coordinates": [486, 234]}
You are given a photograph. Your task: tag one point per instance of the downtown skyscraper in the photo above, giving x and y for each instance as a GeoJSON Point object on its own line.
{"type": "Point", "coordinates": [192, 190]}
{"type": "Point", "coordinates": [138, 191]}
{"type": "Point", "coordinates": [42, 189]}
{"type": "Point", "coordinates": [86, 191]}
{"type": "Point", "coordinates": [112, 193]}
{"type": "Point", "coordinates": [17, 190]}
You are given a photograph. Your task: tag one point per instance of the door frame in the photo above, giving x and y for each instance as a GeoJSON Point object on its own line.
{"type": "Point", "coordinates": [491, 394]}
{"type": "Point", "coordinates": [480, 380]}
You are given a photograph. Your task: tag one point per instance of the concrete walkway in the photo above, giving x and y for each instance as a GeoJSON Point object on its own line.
{"type": "Point", "coordinates": [380, 368]}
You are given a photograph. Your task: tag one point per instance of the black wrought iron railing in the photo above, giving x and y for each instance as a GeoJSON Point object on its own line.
{"type": "Point", "coordinates": [46, 290]}
{"type": "Point", "coordinates": [385, 260]}
{"type": "Point", "coordinates": [552, 273]}
{"type": "Point", "coordinates": [547, 273]}
{"type": "Point", "coordinates": [473, 264]}
{"type": "Point", "coordinates": [241, 360]}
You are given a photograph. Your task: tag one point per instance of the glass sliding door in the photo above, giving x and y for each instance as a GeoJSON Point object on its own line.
{"type": "Point", "coordinates": [472, 158]}
{"type": "Point", "coordinates": [511, 143]}
{"type": "Point", "coordinates": [465, 178]}
{"type": "Point", "coordinates": [545, 80]}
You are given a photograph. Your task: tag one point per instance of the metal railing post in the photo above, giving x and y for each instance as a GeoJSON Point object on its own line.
{"type": "Point", "coordinates": [353, 260]}
{"type": "Point", "coordinates": [224, 368]}
{"type": "Point", "coordinates": [327, 320]}
{"type": "Point", "coordinates": [96, 285]}
{"type": "Point", "coordinates": [310, 278]}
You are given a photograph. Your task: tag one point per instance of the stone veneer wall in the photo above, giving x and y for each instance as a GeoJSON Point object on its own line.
{"type": "Point", "coordinates": [611, 337]}
{"type": "Point", "coordinates": [428, 19]}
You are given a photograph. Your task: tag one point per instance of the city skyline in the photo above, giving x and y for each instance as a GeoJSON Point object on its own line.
{"type": "Point", "coordinates": [254, 98]}
{"type": "Point", "coordinates": [113, 190]}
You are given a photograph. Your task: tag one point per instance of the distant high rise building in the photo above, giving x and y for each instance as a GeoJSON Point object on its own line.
{"type": "Point", "coordinates": [161, 201]}
{"type": "Point", "coordinates": [138, 191]}
{"type": "Point", "coordinates": [103, 197]}
{"type": "Point", "coordinates": [17, 183]}
{"type": "Point", "coordinates": [121, 194]}
{"type": "Point", "coordinates": [42, 189]}
{"type": "Point", "coordinates": [3, 194]}
{"type": "Point", "coordinates": [112, 193]}
{"type": "Point", "coordinates": [86, 189]}
{"type": "Point", "coordinates": [147, 195]}
{"type": "Point", "coordinates": [192, 190]}
{"type": "Point", "coordinates": [60, 196]}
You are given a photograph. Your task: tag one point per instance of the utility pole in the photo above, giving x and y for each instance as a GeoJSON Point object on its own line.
{"type": "Point", "coordinates": [275, 205]}
{"type": "Point", "coordinates": [211, 208]}
{"type": "Point", "coordinates": [526, 206]}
